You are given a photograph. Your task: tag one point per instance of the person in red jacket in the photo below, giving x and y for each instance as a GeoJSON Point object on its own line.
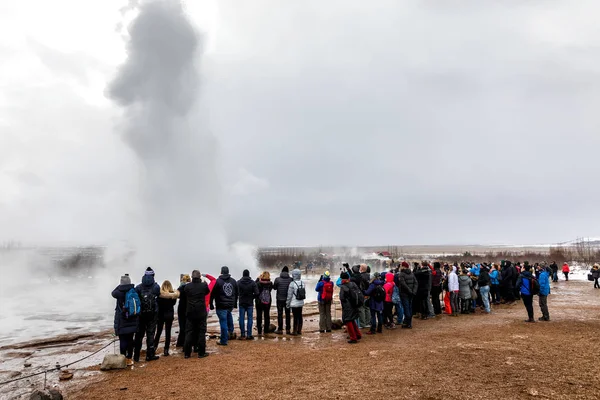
{"type": "Point", "coordinates": [566, 270]}
{"type": "Point", "coordinates": [388, 305]}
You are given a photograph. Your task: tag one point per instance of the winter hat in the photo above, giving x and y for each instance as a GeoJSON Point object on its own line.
{"type": "Point", "coordinates": [224, 270]}
{"type": "Point", "coordinates": [527, 267]}
{"type": "Point", "coordinates": [405, 264]}
{"type": "Point", "coordinates": [344, 275]}
{"type": "Point", "coordinates": [196, 274]}
{"type": "Point", "coordinates": [149, 271]}
{"type": "Point", "coordinates": [245, 273]}
{"type": "Point", "coordinates": [125, 280]}
{"type": "Point", "coordinates": [376, 275]}
{"type": "Point", "coordinates": [327, 274]}
{"type": "Point", "coordinates": [285, 269]}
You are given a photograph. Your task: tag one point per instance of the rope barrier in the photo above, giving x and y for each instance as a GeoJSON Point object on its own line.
{"type": "Point", "coordinates": [58, 366]}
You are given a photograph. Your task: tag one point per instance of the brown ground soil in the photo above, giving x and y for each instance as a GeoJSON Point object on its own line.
{"type": "Point", "coordinates": [470, 357]}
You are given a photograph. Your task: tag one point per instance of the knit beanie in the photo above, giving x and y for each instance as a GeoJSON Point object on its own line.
{"type": "Point", "coordinates": [224, 270]}
{"type": "Point", "coordinates": [125, 280]}
{"type": "Point", "coordinates": [326, 274]}
{"type": "Point", "coordinates": [405, 264]}
{"type": "Point", "coordinates": [246, 273]}
{"type": "Point", "coordinates": [149, 271]}
{"type": "Point", "coordinates": [285, 269]}
{"type": "Point", "coordinates": [344, 275]}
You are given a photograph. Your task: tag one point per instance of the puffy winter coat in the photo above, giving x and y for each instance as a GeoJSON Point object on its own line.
{"type": "Point", "coordinates": [349, 313]}
{"type": "Point", "coordinates": [494, 277]}
{"type": "Point", "coordinates": [247, 291]}
{"type": "Point", "coordinates": [374, 305]}
{"type": "Point", "coordinates": [281, 285]}
{"type": "Point", "coordinates": [196, 293]}
{"type": "Point", "coordinates": [166, 306]}
{"type": "Point", "coordinates": [465, 285]}
{"type": "Point", "coordinates": [436, 277]}
{"type": "Point", "coordinates": [544, 282]}
{"type": "Point", "coordinates": [225, 293]}
{"type": "Point", "coordinates": [319, 288]}
{"type": "Point", "coordinates": [453, 285]}
{"type": "Point", "coordinates": [507, 276]}
{"type": "Point", "coordinates": [149, 285]}
{"type": "Point", "coordinates": [408, 283]}
{"type": "Point", "coordinates": [595, 273]}
{"type": "Point", "coordinates": [123, 326]}
{"type": "Point", "coordinates": [484, 277]}
{"type": "Point", "coordinates": [292, 301]}
{"type": "Point", "coordinates": [524, 283]}
{"type": "Point", "coordinates": [389, 287]}
{"type": "Point", "coordinates": [566, 268]}
{"type": "Point", "coordinates": [423, 276]}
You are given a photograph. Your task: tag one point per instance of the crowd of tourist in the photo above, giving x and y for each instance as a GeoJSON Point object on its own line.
{"type": "Point", "coordinates": [370, 301]}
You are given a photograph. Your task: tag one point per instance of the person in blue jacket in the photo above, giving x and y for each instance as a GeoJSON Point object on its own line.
{"type": "Point", "coordinates": [544, 281]}
{"type": "Point", "coordinates": [525, 286]}
{"type": "Point", "coordinates": [376, 307]}
{"type": "Point", "coordinates": [495, 284]}
{"type": "Point", "coordinates": [125, 326]}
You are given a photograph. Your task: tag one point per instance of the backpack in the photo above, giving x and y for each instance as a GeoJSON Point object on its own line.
{"type": "Point", "coordinates": [131, 307]}
{"type": "Point", "coordinates": [300, 292]}
{"type": "Point", "coordinates": [148, 301]}
{"type": "Point", "coordinates": [396, 295]}
{"type": "Point", "coordinates": [379, 294]}
{"type": "Point", "coordinates": [357, 299]}
{"type": "Point", "coordinates": [327, 293]}
{"type": "Point", "coordinates": [534, 286]}
{"type": "Point", "coordinates": [265, 296]}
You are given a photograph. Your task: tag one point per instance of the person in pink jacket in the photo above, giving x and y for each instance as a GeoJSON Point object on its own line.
{"type": "Point", "coordinates": [388, 305]}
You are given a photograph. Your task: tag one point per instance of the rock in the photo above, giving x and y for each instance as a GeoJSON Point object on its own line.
{"type": "Point", "coordinates": [532, 392]}
{"type": "Point", "coordinates": [113, 361]}
{"type": "Point", "coordinates": [27, 364]}
{"type": "Point", "coordinates": [65, 375]}
{"type": "Point", "coordinates": [51, 394]}
{"type": "Point", "coordinates": [337, 324]}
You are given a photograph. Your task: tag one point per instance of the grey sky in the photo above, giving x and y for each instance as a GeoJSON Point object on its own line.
{"type": "Point", "coordinates": [337, 122]}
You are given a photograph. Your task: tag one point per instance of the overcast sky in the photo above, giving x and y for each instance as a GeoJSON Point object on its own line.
{"type": "Point", "coordinates": [338, 122]}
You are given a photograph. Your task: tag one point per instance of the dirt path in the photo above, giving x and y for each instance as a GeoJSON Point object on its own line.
{"type": "Point", "coordinates": [470, 357]}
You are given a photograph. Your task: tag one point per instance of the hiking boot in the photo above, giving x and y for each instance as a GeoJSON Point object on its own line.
{"type": "Point", "coordinates": [129, 362]}
{"type": "Point", "coordinates": [221, 344]}
{"type": "Point", "coordinates": [166, 353]}
{"type": "Point", "coordinates": [232, 336]}
{"type": "Point", "coordinates": [279, 332]}
{"type": "Point", "coordinates": [152, 358]}
{"type": "Point", "coordinates": [321, 331]}
{"type": "Point", "coordinates": [406, 326]}
{"type": "Point", "coordinates": [371, 333]}
{"type": "Point", "coordinates": [327, 330]}
{"type": "Point", "coordinates": [250, 338]}
{"type": "Point", "coordinates": [186, 356]}
{"type": "Point", "coordinates": [287, 332]}
{"type": "Point", "coordinates": [530, 320]}
{"type": "Point", "coordinates": [203, 355]}
{"type": "Point", "coordinates": [352, 341]}
{"type": "Point", "coordinates": [243, 337]}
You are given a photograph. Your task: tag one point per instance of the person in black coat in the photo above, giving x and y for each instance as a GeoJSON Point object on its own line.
{"type": "Point", "coordinates": [224, 297]}
{"type": "Point", "coordinates": [148, 291]}
{"type": "Point", "coordinates": [263, 302]}
{"type": "Point", "coordinates": [181, 306]}
{"type": "Point", "coordinates": [349, 311]}
{"type": "Point", "coordinates": [166, 314]}
{"type": "Point", "coordinates": [281, 285]}
{"type": "Point", "coordinates": [195, 313]}
{"type": "Point", "coordinates": [506, 283]}
{"type": "Point", "coordinates": [125, 326]}
{"type": "Point", "coordinates": [436, 287]}
{"type": "Point", "coordinates": [247, 291]}
{"type": "Point", "coordinates": [423, 275]}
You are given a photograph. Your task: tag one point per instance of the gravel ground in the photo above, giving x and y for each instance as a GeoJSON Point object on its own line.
{"type": "Point", "coordinates": [470, 357]}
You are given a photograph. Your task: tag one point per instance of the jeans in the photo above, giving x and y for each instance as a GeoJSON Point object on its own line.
{"type": "Point", "coordinates": [554, 276]}
{"type": "Point", "coordinates": [226, 324]}
{"type": "Point", "coordinates": [168, 324]}
{"type": "Point", "coordinates": [454, 302]}
{"type": "Point", "coordinates": [126, 344]}
{"type": "Point", "coordinates": [528, 301]}
{"type": "Point", "coordinates": [297, 312]}
{"type": "Point", "coordinates": [485, 297]}
{"type": "Point", "coordinates": [263, 312]}
{"type": "Point", "coordinates": [407, 301]}
{"type": "Point", "coordinates": [281, 308]}
{"type": "Point", "coordinates": [364, 314]}
{"type": "Point", "coordinates": [376, 320]}
{"type": "Point", "coordinates": [399, 312]}
{"type": "Point", "coordinates": [324, 316]}
{"type": "Point", "coordinates": [544, 306]}
{"type": "Point", "coordinates": [246, 312]}
{"type": "Point", "coordinates": [195, 336]}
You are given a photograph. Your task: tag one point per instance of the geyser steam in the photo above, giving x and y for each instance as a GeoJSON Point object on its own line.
{"type": "Point", "coordinates": [180, 224]}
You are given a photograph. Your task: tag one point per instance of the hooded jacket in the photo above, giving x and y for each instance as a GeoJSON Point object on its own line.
{"type": "Point", "coordinates": [494, 277]}
{"type": "Point", "coordinates": [374, 305]}
{"type": "Point", "coordinates": [389, 287]}
{"type": "Point", "coordinates": [224, 294]}
{"type": "Point", "coordinates": [595, 273]}
{"type": "Point", "coordinates": [148, 285]}
{"type": "Point", "coordinates": [524, 283]}
{"type": "Point", "coordinates": [292, 301]}
{"type": "Point", "coordinates": [247, 291]}
{"type": "Point", "coordinates": [408, 283]}
{"type": "Point", "coordinates": [319, 288]}
{"type": "Point", "coordinates": [465, 285]}
{"type": "Point", "coordinates": [423, 276]}
{"type": "Point", "coordinates": [453, 285]}
{"type": "Point", "coordinates": [166, 304]}
{"type": "Point", "coordinates": [263, 285]}
{"type": "Point", "coordinates": [122, 325]}
{"type": "Point", "coordinates": [349, 313]}
{"type": "Point", "coordinates": [196, 293]}
{"type": "Point", "coordinates": [281, 285]}
{"type": "Point", "coordinates": [544, 282]}
{"type": "Point", "coordinates": [507, 276]}
{"type": "Point", "coordinates": [436, 277]}
{"type": "Point", "coordinates": [565, 268]}
{"type": "Point", "coordinates": [484, 277]}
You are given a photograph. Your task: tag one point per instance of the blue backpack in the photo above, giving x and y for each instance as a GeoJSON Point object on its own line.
{"type": "Point", "coordinates": [396, 295]}
{"type": "Point", "coordinates": [131, 307]}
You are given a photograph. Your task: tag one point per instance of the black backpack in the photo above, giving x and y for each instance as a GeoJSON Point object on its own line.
{"type": "Point", "coordinates": [300, 292]}
{"type": "Point", "coordinates": [357, 299]}
{"type": "Point", "coordinates": [379, 293]}
{"type": "Point", "coordinates": [148, 301]}
{"type": "Point", "coordinates": [535, 286]}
